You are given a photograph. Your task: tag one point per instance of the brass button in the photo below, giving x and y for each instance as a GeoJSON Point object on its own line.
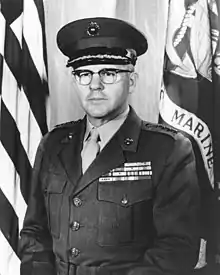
{"type": "Point", "coordinates": [74, 252]}
{"type": "Point", "coordinates": [77, 202]}
{"type": "Point", "coordinates": [75, 226]}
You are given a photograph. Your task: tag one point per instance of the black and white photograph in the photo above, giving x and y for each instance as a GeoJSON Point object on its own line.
{"type": "Point", "coordinates": [109, 137]}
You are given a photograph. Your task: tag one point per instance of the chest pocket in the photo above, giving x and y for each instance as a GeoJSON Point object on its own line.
{"type": "Point", "coordinates": [125, 212]}
{"type": "Point", "coordinates": [54, 195]}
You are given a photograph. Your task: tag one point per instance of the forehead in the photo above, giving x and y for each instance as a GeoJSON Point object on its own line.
{"type": "Point", "coordinates": [99, 67]}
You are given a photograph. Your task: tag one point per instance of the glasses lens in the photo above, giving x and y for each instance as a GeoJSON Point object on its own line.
{"type": "Point", "coordinates": [108, 76]}
{"type": "Point", "coordinates": [83, 77]}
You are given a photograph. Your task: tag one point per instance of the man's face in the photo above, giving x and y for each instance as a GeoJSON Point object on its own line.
{"type": "Point", "coordinates": [102, 102]}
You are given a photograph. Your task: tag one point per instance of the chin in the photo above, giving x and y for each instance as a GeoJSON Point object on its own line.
{"type": "Point", "coordinates": [97, 112]}
{"type": "Point", "coordinates": [97, 115]}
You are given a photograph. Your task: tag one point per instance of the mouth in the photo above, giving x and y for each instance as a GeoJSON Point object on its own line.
{"type": "Point", "coordinates": [96, 99]}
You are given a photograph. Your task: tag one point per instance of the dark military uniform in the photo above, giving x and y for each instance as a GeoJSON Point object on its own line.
{"type": "Point", "coordinates": [134, 211]}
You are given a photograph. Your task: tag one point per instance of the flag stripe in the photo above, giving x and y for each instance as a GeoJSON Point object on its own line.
{"type": "Point", "coordinates": [1, 72]}
{"type": "Point", "coordinates": [39, 6]}
{"type": "Point", "coordinates": [8, 222]}
{"type": "Point", "coordinates": [23, 94]}
{"type": "Point", "coordinates": [2, 34]}
{"type": "Point", "coordinates": [11, 191]}
{"type": "Point", "coordinates": [7, 255]}
{"type": "Point", "coordinates": [18, 105]}
{"type": "Point", "coordinates": [34, 40]}
{"type": "Point", "coordinates": [36, 93]}
{"type": "Point", "coordinates": [10, 138]}
{"type": "Point", "coordinates": [28, 127]}
{"type": "Point", "coordinates": [12, 53]}
{"type": "Point", "coordinates": [40, 9]}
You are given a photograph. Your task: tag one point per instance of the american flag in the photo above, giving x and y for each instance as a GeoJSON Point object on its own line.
{"type": "Point", "coordinates": [190, 102]}
{"type": "Point", "coordinates": [23, 95]}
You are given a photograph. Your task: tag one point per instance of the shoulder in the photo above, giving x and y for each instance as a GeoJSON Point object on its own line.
{"type": "Point", "coordinates": [164, 132]}
{"type": "Point", "coordinates": [66, 125]}
{"type": "Point", "coordinates": [178, 141]}
{"type": "Point", "coordinates": [70, 126]}
{"type": "Point", "coordinates": [175, 143]}
{"type": "Point", "coordinates": [60, 133]}
{"type": "Point", "coordinates": [160, 129]}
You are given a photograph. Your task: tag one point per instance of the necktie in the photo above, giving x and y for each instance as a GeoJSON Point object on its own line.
{"type": "Point", "coordinates": [90, 150]}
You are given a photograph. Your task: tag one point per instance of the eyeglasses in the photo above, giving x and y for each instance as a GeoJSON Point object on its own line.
{"type": "Point", "coordinates": [107, 76]}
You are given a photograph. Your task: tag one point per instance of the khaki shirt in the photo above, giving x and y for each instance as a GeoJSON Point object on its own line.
{"type": "Point", "coordinates": [107, 130]}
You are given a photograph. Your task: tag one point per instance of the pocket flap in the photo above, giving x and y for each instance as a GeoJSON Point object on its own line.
{"type": "Point", "coordinates": [125, 193]}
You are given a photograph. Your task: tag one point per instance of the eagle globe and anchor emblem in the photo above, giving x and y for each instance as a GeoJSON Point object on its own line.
{"type": "Point", "coordinates": [93, 29]}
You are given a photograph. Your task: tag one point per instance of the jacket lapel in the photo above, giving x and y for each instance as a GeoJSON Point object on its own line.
{"type": "Point", "coordinates": [113, 155]}
{"type": "Point", "coordinates": [69, 154]}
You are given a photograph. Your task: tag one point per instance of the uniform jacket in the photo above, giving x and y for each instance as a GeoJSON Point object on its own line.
{"type": "Point", "coordinates": [110, 220]}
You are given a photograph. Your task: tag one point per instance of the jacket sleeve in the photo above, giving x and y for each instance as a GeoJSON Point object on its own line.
{"type": "Point", "coordinates": [176, 216]}
{"type": "Point", "coordinates": [35, 245]}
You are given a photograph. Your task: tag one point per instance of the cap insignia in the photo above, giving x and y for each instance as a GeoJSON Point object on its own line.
{"type": "Point", "coordinates": [93, 29]}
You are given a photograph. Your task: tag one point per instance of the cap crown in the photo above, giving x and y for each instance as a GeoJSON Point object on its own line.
{"type": "Point", "coordinates": [85, 35]}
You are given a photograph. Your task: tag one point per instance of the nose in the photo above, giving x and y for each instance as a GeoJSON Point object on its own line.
{"type": "Point", "coordinates": [96, 83]}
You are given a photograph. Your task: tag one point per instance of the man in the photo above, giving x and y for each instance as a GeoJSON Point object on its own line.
{"type": "Point", "coordinates": [111, 194]}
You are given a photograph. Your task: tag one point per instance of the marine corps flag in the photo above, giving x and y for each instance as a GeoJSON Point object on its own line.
{"type": "Point", "coordinates": [190, 101]}
{"type": "Point", "coordinates": [23, 91]}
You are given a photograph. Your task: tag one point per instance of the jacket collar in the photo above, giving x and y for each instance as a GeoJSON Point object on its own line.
{"type": "Point", "coordinates": [113, 155]}
{"type": "Point", "coordinates": [129, 132]}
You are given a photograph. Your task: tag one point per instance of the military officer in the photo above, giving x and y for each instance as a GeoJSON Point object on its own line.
{"type": "Point", "coordinates": [111, 194]}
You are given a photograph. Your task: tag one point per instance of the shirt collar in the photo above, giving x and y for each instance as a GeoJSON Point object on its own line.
{"type": "Point", "coordinates": [107, 130]}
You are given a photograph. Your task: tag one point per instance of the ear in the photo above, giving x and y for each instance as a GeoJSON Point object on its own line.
{"type": "Point", "coordinates": [133, 79]}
